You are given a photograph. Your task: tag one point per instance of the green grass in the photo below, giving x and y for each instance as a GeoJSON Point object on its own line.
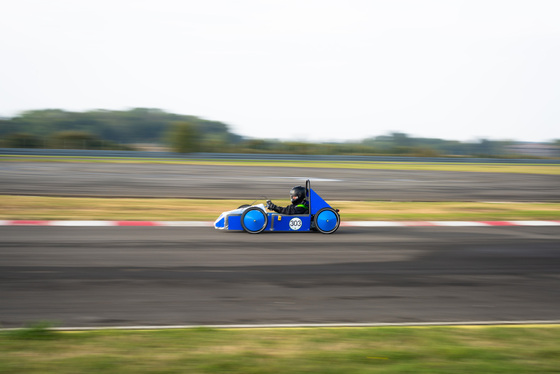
{"type": "Point", "coordinates": [73, 208]}
{"type": "Point", "coordinates": [526, 349]}
{"type": "Point", "coordinates": [533, 168]}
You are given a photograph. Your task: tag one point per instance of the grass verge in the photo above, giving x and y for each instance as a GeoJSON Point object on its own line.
{"type": "Point", "coordinates": [74, 208]}
{"type": "Point", "coordinates": [498, 349]}
{"type": "Point", "coordinates": [532, 168]}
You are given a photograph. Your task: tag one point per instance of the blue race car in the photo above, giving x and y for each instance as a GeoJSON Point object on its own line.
{"type": "Point", "coordinates": [255, 219]}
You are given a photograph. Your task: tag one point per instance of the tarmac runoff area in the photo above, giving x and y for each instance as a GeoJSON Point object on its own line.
{"type": "Point", "coordinates": [250, 183]}
{"type": "Point", "coordinates": [182, 274]}
{"type": "Point", "coordinates": [181, 277]}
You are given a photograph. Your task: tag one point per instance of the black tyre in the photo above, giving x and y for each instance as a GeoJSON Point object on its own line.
{"type": "Point", "coordinates": [327, 220]}
{"type": "Point", "coordinates": [254, 220]}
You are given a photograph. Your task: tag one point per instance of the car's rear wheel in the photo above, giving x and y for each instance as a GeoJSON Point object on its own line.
{"type": "Point", "coordinates": [327, 220]}
{"type": "Point", "coordinates": [254, 220]}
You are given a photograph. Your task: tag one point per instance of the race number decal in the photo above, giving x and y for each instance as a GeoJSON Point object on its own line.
{"type": "Point", "coordinates": [295, 223]}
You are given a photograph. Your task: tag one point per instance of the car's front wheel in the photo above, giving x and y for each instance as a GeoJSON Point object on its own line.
{"type": "Point", "coordinates": [254, 220]}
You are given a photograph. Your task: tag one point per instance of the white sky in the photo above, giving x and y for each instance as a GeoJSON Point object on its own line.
{"type": "Point", "coordinates": [312, 70]}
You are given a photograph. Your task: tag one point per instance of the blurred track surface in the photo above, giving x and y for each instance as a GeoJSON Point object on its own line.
{"type": "Point", "coordinates": [239, 182]}
{"type": "Point", "coordinates": [123, 276]}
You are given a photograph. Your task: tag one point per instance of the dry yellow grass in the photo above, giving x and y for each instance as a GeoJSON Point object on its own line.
{"type": "Point", "coordinates": [72, 208]}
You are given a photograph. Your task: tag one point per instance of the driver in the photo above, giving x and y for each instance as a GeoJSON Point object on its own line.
{"type": "Point", "coordinates": [299, 203]}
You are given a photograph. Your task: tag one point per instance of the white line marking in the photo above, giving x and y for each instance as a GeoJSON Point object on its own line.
{"type": "Point", "coordinates": [310, 179]}
{"type": "Point", "coordinates": [186, 223]}
{"type": "Point", "coordinates": [82, 223]}
{"type": "Point", "coordinates": [535, 223]}
{"type": "Point", "coordinates": [372, 224]}
{"type": "Point", "coordinates": [459, 223]}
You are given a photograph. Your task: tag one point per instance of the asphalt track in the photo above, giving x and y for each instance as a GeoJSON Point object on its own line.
{"type": "Point", "coordinates": [240, 182]}
{"type": "Point", "coordinates": [129, 276]}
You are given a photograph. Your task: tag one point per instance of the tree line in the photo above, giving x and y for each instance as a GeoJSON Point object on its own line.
{"type": "Point", "coordinates": [105, 129]}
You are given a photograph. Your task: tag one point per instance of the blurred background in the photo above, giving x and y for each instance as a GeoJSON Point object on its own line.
{"type": "Point", "coordinates": [400, 77]}
{"type": "Point", "coordinates": [432, 78]}
{"type": "Point", "coordinates": [145, 129]}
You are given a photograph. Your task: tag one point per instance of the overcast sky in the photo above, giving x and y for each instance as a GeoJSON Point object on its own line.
{"type": "Point", "coordinates": [314, 70]}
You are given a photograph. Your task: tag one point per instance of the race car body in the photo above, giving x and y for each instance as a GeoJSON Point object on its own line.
{"type": "Point", "coordinates": [255, 219]}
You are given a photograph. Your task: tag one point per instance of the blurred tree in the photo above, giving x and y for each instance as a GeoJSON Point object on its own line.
{"type": "Point", "coordinates": [21, 140]}
{"type": "Point", "coordinates": [150, 125]}
{"type": "Point", "coordinates": [8, 126]}
{"type": "Point", "coordinates": [401, 140]}
{"type": "Point", "coordinates": [184, 137]}
{"type": "Point", "coordinates": [82, 140]}
{"type": "Point", "coordinates": [74, 140]}
{"type": "Point", "coordinates": [138, 125]}
{"type": "Point", "coordinates": [424, 151]}
{"type": "Point", "coordinates": [488, 148]}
